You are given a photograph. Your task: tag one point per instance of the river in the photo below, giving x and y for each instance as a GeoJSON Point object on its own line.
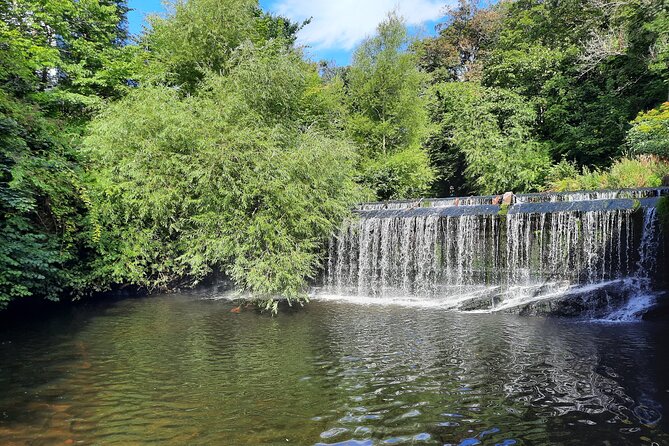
{"type": "Point", "coordinates": [183, 369]}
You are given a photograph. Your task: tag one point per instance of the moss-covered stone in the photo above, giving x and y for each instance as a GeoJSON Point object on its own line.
{"type": "Point", "coordinates": [504, 209]}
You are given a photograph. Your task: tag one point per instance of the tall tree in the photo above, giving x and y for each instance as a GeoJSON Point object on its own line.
{"type": "Point", "coordinates": [485, 141]}
{"type": "Point", "coordinates": [585, 66]}
{"type": "Point", "coordinates": [458, 51]}
{"type": "Point", "coordinates": [388, 117]}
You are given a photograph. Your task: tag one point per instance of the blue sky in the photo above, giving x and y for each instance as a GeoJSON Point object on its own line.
{"type": "Point", "coordinates": [337, 25]}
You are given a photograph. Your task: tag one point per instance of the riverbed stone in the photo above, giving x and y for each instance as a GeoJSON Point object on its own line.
{"type": "Point", "coordinates": [591, 304]}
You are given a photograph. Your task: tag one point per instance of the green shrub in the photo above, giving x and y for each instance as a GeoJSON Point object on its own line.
{"type": "Point", "coordinates": [642, 171]}
{"type": "Point", "coordinates": [405, 174]}
{"type": "Point", "coordinates": [649, 134]}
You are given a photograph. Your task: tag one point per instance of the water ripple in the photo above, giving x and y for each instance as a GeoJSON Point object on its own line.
{"type": "Point", "coordinates": [183, 370]}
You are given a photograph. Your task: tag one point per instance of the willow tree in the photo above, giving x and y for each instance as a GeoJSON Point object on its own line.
{"type": "Point", "coordinates": [250, 175]}
{"type": "Point", "coordinates": [388, 117]}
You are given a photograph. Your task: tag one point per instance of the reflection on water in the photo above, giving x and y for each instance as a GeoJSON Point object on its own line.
{"type": "Point", "coordinates": [185, 370]}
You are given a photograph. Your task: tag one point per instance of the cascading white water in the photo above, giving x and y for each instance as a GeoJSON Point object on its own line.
{"type": "Point", "coordinates": [490, 262]}
{"type": "Point", "coordinates": [419, 255]}
{"type": "Point", "coordinates": [643, 297]}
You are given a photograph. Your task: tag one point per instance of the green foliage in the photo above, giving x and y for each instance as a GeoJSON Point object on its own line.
{"type": "Point", "coordinates": [624, 173]}
{"type": "Point", "coordinates": [492, 129]}
{"type": "Point", "coordinates": [27, 262]}
{"type": "Point", "coordinates": [249, 175]}
{"type": "Point", "coordinates": [41, 202]}
{"type": "Point", "coordinates": [562, 170]}
{"type": "Point", "coordinates": [649, 134]}
{"type": "Point", "coordinates": [656, 27]}
{"type": "Point", "coordinates": [583, 66]}
{"type": "Point", "coordinates": [457, 52]}
{"type": "Point", "coordinates": [387, 113]}
{"type": "Point", "coordinates": [200, 36]}
{"type": "Point", "coordinates": [73, 46]}
{"type": "Point", "coordinates": [586, 68]}
{"type": "Point", "coordinates": [404, 174]}
{"type": "Point", "coordinates": [576, 73]}
{"type": "Point", "coordinates": [216, 146]}
{"type": "Point", "coordinates": [59, 64]}
{"type": "Point", "coordinates": [228, 152]}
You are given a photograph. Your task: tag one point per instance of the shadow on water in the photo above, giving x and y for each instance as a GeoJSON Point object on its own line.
{"type": "Point", "coordinates": [184, 369]}
{"type": "Point", "coordinates": [30, 365]}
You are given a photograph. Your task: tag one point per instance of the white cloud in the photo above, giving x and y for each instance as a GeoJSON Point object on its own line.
{"type": "Point", "coordinates": [342, 24]}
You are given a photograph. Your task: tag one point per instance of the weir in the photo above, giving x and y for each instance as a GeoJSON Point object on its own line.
{"type": "Point", "coordinates": [589, 254]}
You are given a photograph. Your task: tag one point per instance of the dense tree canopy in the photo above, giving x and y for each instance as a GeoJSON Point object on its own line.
{"type": "Point", "coordinates": [585, 67]}
{"type": "Point", "coordinates": [201, 36]}
{"type": "Point", "coordinates": [59, 64]}
{"type": "Point", "coordinates": [487, 133]}
{"type": "Point", "coordinates": [214, 146]}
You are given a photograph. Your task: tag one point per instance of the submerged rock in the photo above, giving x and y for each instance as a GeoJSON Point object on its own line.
{"type": "Point", "coordinates": [618, 300]}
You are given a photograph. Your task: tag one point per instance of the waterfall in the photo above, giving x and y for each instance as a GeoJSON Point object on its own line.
{"type": "Point", "coordinates": [472, 257]}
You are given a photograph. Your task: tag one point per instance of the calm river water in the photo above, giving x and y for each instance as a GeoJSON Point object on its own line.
{"type": "Point", "coordinates": [183, 369]}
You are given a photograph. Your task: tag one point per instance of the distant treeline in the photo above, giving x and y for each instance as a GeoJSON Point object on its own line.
{"type": "Point", "coordinates": [209, 143]}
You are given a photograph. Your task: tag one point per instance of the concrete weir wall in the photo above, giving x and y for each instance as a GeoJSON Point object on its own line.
{"type": "Point", "coordinates": [591, 253]}
{"type": "Point", "coordinates": [497, 200]}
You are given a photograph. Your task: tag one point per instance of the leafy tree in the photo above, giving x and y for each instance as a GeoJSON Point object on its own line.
{"type": "Point", "coordinates": [250, 175]}
{"type": "Point", "coordinates": [458, 51]}
{"type": "Point", "coordinates": [487, 134]}
{"type": "Point", "coordinates": [72, 46]}
{"type": "Point", "coordinates": [649, 134]}
{"type": "Point", "coordinates": [42, 208]}
{"type": "Point", "coordinates": [584, 66]}
{"type": "Point", "coordinates": [55, 73]}
{"type": "Point", "coordinates": [388, 118]}
{"type": "Point", "coordinates": [214, 85]}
